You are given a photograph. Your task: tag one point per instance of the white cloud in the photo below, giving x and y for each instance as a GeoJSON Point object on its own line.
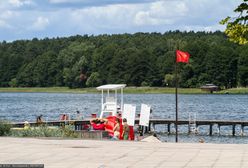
{"type": "Point", "coordinates": [203, 28]}
{"type": "Point", "coordinates": [19, 3]}
{"type": "Point", "coordinates": [16, 2]}
{"type": "Point", "coordinates": [107, 17]}
{"type": "Point", "coordinates": [40, 23]}
{"type": "Point", "coordinates": [168, 8]}
{"type": "Point", "coordinates": [65, 1]}
{"type": "Point", "coordinates": [3, 24]}
{"type": "Point", "coordinates": [7, 14]}
{"type": "Point", "coordinates": [93, 3]}
{"type": "Point", "coordinates": [145, 18]}
{"type": "Point", "coordinates": [5, 18]}
{"type": "Point", "coordinates": [161, 13]}
{"type": "Point", "coordinates": [124, 16]}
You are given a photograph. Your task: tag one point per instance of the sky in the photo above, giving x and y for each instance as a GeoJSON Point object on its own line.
{"type": "Point", "coordinates": [27, 19]}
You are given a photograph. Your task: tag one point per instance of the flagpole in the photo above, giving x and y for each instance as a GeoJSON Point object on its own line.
{"type": "Point", "coordinates": [180, 57]}
{"type": "Point", "coordinates": [176, 123]}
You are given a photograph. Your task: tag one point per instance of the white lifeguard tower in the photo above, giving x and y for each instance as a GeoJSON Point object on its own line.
{"type": "Point", "coordinates": [110, 103]}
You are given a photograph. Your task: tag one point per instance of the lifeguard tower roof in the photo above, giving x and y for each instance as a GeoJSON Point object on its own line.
{"type": "Point", "coordinates": [110, 103]}
{"type": "Point", "coordinates": [111, 87]}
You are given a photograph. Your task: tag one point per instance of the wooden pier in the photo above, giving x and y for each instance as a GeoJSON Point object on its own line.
{"type": "Point", "coordinates": [209, 123]}
{"type": "Point", "coordinates": [154, 122]}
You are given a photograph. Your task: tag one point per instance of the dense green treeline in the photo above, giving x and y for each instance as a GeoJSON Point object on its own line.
{"type": "Point", "coordinates": [141, 59]}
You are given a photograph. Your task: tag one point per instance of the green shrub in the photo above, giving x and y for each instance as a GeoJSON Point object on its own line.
{"type": "Point", "coordinates": [4, 128]}
{"type": "Point", "coordinates": [68, 131]}
{"type": "Point", "coordinates": [44, 131]}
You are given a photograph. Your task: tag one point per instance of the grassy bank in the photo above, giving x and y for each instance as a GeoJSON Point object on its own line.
{"type": "Point", "coordinates": [235, 91]}
{"type": "Point", "coordinates": [162, 90]}
{"type": "Point", "coordinates": [48, 90]}
{"type": "Point", "coordinates": [126, 90]}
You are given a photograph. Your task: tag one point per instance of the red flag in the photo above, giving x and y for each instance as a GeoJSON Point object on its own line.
{"type": "Point", "coordinates": [182, 56]}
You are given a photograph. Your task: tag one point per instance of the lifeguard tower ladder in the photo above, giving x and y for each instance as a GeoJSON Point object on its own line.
{"type": "Point", "coordinates": [192, 123]}
{"type": "Point", "coordinates": [110, 103]}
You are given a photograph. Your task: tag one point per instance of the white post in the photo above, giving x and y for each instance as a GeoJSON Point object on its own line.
{"type": "Point", "coordinates": [102, 106]}
{"type": "Point", "coordinates": [121, 100]}
{"type": "Point", "coordinates": [102, 100]}
{"type": "Point", "coordinates": [115, 102]}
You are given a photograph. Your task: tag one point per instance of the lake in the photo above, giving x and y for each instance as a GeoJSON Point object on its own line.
{"type": "Point", "coordinates": [27, 106]}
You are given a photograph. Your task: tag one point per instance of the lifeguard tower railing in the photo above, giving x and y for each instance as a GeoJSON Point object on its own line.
{"type": "Point", "coordinates": [110, 104]}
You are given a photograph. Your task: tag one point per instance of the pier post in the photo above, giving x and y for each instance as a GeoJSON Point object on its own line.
{"type": "Point", "coordinates": [143, 130]}
{"type": "Point", "coordinates": [211, 129]}
{"type": "Point", "coordinates": [153, 128]}
{"type": "Point", "coordinates": [78, 126]}
{"type": "Point", "coordinates": [149, 127]}
{"type": "Point", "coordinates": [168, 128]}
{"type": "Point", "coordinates": [146, 129]}
{"type": "Point", "coordinates": [233, 129]}
{"type": "Point", "coordinates": [242, 130]}
{"type": "Point", "coordinates": [196, 129]}
{"type": "Point", "coordinates": [219, 129]}
{"type": "Point", "coordinates": [189, 131]}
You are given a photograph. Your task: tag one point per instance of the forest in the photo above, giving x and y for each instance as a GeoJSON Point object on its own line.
{"type": "Point", "coordinates": [140, 59]}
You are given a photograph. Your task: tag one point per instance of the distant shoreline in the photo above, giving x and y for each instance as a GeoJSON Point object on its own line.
{"type": "Point", "coordinates": [134, 90]}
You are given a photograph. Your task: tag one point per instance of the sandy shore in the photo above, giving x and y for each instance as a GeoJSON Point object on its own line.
{"type": "Point", "coordinates": [105, 154]}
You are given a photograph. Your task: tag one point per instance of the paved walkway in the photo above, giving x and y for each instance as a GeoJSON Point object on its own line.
{"type": "Point", "coordinates": [105, 154]}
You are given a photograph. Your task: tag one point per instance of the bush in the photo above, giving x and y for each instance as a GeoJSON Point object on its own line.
{"type": "Point", "coordinates": [44, 131]}
{"type": "Point", "coordinates": [4, 128]}
{"type": "Point", "coordinates": [69, 132]}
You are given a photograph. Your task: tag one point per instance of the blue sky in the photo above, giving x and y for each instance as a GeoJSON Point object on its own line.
{"type": "Point", "coordinates": [27, 19]}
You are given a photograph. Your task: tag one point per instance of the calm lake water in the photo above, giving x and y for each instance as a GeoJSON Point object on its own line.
{"type": "Point", "coordinates": [27, 106]}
